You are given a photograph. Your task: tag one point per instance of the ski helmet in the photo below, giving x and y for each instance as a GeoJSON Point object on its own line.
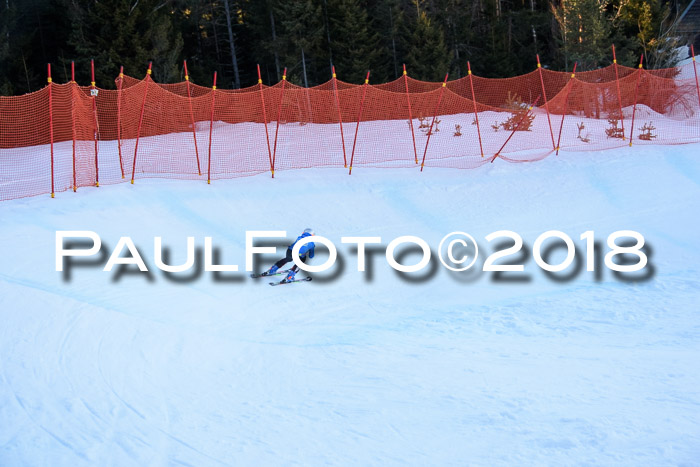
{"type": "Point", "coordinates": [309, 231]}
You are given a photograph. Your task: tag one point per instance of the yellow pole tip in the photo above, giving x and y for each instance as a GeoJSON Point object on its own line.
{"type": "Point", "coordinates": [92, 83]}
{"type": "Point", "coordinates": [52, 195]}
{"type": "Point", "coordinates": [259, 81]}
{"type": "Point", "coordinates": [49, 80]}
{"type": "Point", "coordinates": [132, 181]}
{"type": "Point", "coordinates": [630, 143]}
{"type": "Point", "coordinates": [539, 66]}
{"type": "Point", "coordinates": [121, 75]}
{"type": "Point", "coordinates": [333, 75]}
{"type": "Point", "coordinates": [148, 72]}
{"type": "Point", "coordinates": [213, 87]}
{"type": "Point", "coordinates": [640, 65]}
{"type": "Point", "coordinates": [444, 84]}
{"type": "Point", "coordinates": [614, 61]}
{"type": "Point", "coordinates": [187, 78]}
{"type": "Point", "coordinates": [208, 182]}
{"type": "Point", "coordinates": [366, 81]}
{"type": "Point", "coordinates": [404, 72]}
{"type": "Point", "coordinates": [573, 74]}
{"type": "Point", "coordinates": [200, 174]}
{"type": "Point", "coordinates": [469, 72]}
{"type": "Point", "coordinates": [97, 184]}
{"type": "Point", "coordinates": [284, 77]}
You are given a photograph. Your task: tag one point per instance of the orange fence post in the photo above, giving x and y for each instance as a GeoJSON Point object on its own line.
{"type": "Point", "coordinates": [143, 107]}
{"type": "Point", "coordinates": [279, 116]}
{"type": "Point", "coordinates": [359, 116]}
{"type": "Point", "coordinates": [619, 95]}
{"type": "Point", "coordinates": [119, 118]}
{"type": "Point", "coordinates": [636, 91]}
{"type": "Point", "coordinates": [267, 135]}
{"type": "Point", "coordinates": [194, 131]}
{"type": "Point", "coordinates": [476, 114]}
{"type": "Point", "coordinates": [410, 116]}
{"type": "Point", "coordinates": [72, 117]}
{"type": "Point", "coordinates": [93, 94]}
{"type": "Point", "coordinates": [340, 118]}
{"type": "Point", "coordinates": [695, 70]}
{"type": "Point", "coordinates": [546, 103]}
{"type": "Point", "coordinates": [49, 80]}
{"type": "Point", "coordinates": [211, 127]}
{"type": "Point", "coordinates": [566, 104]}
{"type": "Point", "coordinates": [430, 131]}
{"type": "Point", "coordinates": [525, 115]}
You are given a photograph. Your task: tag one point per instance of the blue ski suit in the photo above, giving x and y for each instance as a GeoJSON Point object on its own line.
{"type": "Point", "coordinates": [304, 252]}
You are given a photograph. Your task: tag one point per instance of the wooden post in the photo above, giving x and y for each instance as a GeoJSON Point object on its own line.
{"type": "Point", "coordinates": [619, 95]}
{"type": "Point", "coordinates": [566, 104]}
{"type": "Point", "coordinates": [546, 103]}
{"type": "Point", "coordinates": [279, 117]}
{"type": "Point", "coordinates": [194, 131]}
{"type": "Point", "coordinates": [73, 89]}
{"type": "Point", "coordinates": [476, 113]}
{"type": "Point", "coordinates": [636, 92]}
{"type": "Point", "coordinates": [430, 131]}
{"type": "Point", "coordinates": [143, 107]}
{"type": "Point", "coordinates": [340, 117]}
{"type": "Point", "coordinates": [267, 135]}
{"type": "Point", "coordinates": [211, 127]}
{"type": "Point", "coordinates": [119, 118]}
{"type": "Point", "coordinates": [359, 117]}
{"type": "Point", "coordinates": [695, 70]}
{"type": "Point", "coordinates": [50, 81]}
{"type": "Point", "coordinates": [96, 128]}
{"type": "Point", "coordinates": [410, 116]}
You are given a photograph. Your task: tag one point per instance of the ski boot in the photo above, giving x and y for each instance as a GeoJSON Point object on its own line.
{"type": "Point", "coordinates": [270, 271]}
{"type": "Point", "coordinates": [290, 276]}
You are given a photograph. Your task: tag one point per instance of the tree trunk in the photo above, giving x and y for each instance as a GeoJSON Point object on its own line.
{"type": "Point", "coordinates": [274, 42]}
{"type": "Point", "coordinates": [234, 60]}
{"type": "Point", "coordinates": [393, 43]}
{"type": "Point", "coordinates": [328, 32]}
{"type": "Point", "coordinates": [303, 64]}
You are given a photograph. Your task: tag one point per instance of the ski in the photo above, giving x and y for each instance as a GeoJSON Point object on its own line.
{"type": "Point", "coordinates": [279, 272]}
{"type": "Point", "coordinates": [290, 282]}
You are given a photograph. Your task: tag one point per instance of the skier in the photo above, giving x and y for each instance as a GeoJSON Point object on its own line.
{"type": "Point", "coordinates": [304, 252]}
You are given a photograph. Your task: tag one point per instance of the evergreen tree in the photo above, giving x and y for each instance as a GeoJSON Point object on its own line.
{"type": "Point", "coordinates": [354, 46]}
{"type": "Point", "coordinates": [650, 29]}
{"type": "Point", "coordinates": [387, 20]}
{"type": "Point", "coordinates": [585, 32]}
{"type": "Point", "coordinates": [121, 32]}
{"type": "Point", "coordinates": [427, 56]}
{"type": "Point", "coordinates": [303, 28]}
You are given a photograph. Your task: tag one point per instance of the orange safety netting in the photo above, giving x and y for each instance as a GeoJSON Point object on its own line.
{"type": "Point", "coordinates": [66, 136]}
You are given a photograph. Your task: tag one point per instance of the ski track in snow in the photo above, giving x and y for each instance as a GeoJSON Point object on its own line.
{"type": "Point", "coordinates": [107, 370]}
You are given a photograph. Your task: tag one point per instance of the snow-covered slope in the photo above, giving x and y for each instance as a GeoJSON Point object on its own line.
{"type": "Point", "coordinates": [358, 368]}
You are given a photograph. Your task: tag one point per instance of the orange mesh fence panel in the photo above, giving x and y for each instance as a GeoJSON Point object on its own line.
{"type": "Point", "coordinates": [146, 129]}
